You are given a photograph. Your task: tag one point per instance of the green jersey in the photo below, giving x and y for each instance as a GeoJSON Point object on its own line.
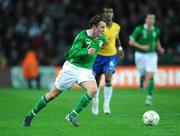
{"type": "Point", "coordinates": [78, 53]}
{"type": "Point", "coordinates": [145, 36]}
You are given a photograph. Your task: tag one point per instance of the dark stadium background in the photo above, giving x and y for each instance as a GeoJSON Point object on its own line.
{"type": "Point", "coordinates": [49, 26]}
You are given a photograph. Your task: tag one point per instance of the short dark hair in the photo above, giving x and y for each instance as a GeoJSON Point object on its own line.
{"type": "Point", "coordinates": [95, 20]}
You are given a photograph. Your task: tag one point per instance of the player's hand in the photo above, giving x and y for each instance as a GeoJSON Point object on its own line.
{"type": "Point", "coordinates": [161, 50]}
{"type": "Point", "coordinates": [121, 54]}
{"type": "Point", "coordinates": [145, 47]}
{"type": "Point", "coordinates": [91, 51]}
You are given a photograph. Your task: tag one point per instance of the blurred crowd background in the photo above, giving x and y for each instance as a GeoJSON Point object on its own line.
{"type": "Point", "coordinates": [49, 27]}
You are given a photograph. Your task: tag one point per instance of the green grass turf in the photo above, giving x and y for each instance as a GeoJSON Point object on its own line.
{"type": "Point", "coordinates": [127, 108]}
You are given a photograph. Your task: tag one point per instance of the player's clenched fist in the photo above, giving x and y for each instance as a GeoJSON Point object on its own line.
{"type": "Point", "coordinates": [91, 50]}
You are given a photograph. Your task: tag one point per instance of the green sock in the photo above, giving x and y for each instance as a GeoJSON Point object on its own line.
{"type": "Point", "coordinates": [142, 78]}
{"type": "Point", "coordinates": [40, 104]}
{"type": "Point", "coordinates": [85, 99]}
{"type": "Point", "coordinates": [150, 88]}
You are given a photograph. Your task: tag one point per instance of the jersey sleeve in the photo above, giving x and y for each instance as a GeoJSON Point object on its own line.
{"type": "Point", "coordinates": [118, 28]}
{"type": "Point", "coordinates": [158, 34]}
{"type": "Point", "coordinates": [135, 33]}
{"type": "Point", "coordinates": [77, 48]}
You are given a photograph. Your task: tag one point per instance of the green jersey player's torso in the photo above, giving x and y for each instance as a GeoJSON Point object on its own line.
{"type": "Point", "coordinates": [145, 36]}
{"type": "Point", "coordinates": [78, 53]}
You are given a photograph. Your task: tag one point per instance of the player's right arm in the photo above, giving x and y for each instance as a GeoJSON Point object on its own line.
{"type": "Point", "coordinates": [134, 43]}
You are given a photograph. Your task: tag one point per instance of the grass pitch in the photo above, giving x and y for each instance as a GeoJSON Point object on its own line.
{"type": "Point", "coordinates": [127, 108]}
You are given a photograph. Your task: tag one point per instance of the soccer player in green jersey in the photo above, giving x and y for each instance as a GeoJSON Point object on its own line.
{"type": "Point", "coordinates": [145, 38]}
{"type": "Point", "coordinates": [76, 69]}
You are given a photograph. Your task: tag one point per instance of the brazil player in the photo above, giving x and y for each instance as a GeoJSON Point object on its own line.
{"type": "Point", "coordinates": [76, 69]}
{"type": "Point", "coordinates": [106, 61]}
{"type": "Point", "coordinates": [145, 38]}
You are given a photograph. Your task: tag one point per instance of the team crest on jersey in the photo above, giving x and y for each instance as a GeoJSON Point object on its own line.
{"type": "Point", "coordinates": [115, 33]}
{"type": "Point", "coordinates": [154, 34]}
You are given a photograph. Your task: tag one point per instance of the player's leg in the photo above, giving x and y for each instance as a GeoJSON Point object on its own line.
{"type": "Point", "coordinates": [53, 93]}
{"type": "Point", "coordinates": [142, 79]}
{"type": "Point", "coordinates": [107, 92]}
{"type": "Point", "coordinates": [140, 65]}
{"type": "Point", "coordinates": [151, 68]}
{"type": "Point", "coordinates": [108, 70]}
{"type": "Point", "coordinates": [63, 81]}
{"type": "Point", "coordinates": [91, 88]}
{"type": "Point", "coordinates": [95, 99]}
{"type": "Point", "coordinates": [149, 86]}
{"type": "Point", "coordinates": [97, 70]}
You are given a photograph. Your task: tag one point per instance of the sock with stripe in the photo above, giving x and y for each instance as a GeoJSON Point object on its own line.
{"type": "Point", "coordinates": [150, 87]}
{"type": "Point", "coordinates": [40, 105]}
{"type": "Point", "coordinates": [107, 94]}
{"type": "Point", "coordinates": [85, 99]}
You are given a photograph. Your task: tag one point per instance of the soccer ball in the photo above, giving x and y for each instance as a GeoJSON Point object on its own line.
{"type": "Point", "coordinates": [151, 118]}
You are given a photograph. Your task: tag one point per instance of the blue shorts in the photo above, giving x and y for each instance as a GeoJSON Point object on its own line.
{"type": "Point", "coordinates": [104, 64]}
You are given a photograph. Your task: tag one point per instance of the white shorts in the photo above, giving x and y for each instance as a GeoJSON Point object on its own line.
{"type": "Point", "coordinates": [146, 62]}
{"type": "Point", "coordinates": [71, 74]}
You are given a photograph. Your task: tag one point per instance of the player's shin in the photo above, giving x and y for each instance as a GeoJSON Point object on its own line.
{"type": "Point", "coordinates": [150, 87]}
{"type": "Point", "coordinates": [85, 99]}
{"type": "Point", "coordinates": [40, 105]}
{"type": "Point", "coordinates": [107, 97]}
{"type": "Point", "coordinates": [142, 78]}
{"type": "Point", "coordinates": [95, 103]}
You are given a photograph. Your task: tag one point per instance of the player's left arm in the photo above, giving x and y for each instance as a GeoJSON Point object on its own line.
{"type": "Point", "coordinates": [120, 51]}
{"type": "Point", "coordinates": [160, 48]}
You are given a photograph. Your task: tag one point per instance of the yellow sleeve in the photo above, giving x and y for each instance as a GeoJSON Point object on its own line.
{"type": "Point", "coordinates": [118, 29]}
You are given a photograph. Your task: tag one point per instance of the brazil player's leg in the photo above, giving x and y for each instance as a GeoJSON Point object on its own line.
{"type": "Point", "coordinates": [95, 99]}
{"type": "Point", "coordinates": [109, 69]}
{"type": "Point", "coordinates": [98, 71]}
{"type": "Point", "coordinates": [107, 92]}
{"type": "Point", "coordinates": [104, 65]}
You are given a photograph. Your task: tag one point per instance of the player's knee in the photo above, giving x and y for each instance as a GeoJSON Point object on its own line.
{"type": "Point", "coordinates": [92, 91]}
{"type": "Point", "coordinates": [51, 95]}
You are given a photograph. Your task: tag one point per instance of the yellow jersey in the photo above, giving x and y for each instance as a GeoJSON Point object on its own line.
{"type": "Point", "coordinates": [112, 33]}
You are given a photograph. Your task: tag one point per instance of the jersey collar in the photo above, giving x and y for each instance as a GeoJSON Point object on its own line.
{"type": "Point", "coordinates": [145, 26]}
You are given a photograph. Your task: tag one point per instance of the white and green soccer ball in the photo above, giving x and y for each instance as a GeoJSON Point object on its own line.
{"type": "Point", "coordinates": [151, 118]}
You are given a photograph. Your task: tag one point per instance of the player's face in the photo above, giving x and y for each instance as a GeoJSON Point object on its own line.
{"type": "Point", "coordinates": [99, 29]}
{"type": "Point", "coordinates": [150, 20]}
{"type": "Point", "coordinates": [108, 14]}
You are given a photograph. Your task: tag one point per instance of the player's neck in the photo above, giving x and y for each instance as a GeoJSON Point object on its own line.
{"type": "Point", "coordinates": [108, 24]}
{"type": "Point", "coordinates": [149, 27]}
{"type": "Point", "coordinates": [90, 33]}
